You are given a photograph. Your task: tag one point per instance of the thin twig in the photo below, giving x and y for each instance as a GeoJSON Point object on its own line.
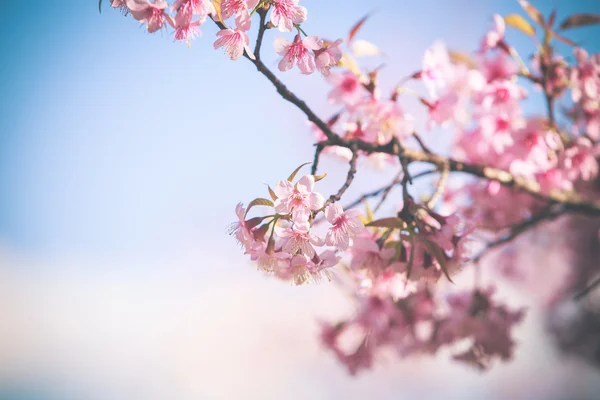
{"type": "Point", "coordinates": [349, 178]}
{"type": "Point", "coordinates": [262, 27]}
{"type": "Point", "coordinates": [587, 290]}
{"type": "Point", "coordinates": [421, 143]}
{"type": "Point", "coordinates": [569, 201]}
{"type": "Point", "coordinates": [313, 170]}
{"type": "Point", "coordinates": [546, 215]}
{"type": "Point", "coordinates": [388, 189]}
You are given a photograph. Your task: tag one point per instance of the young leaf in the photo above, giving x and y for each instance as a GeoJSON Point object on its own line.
{"type": "Point", "coordinates": [563, 39]}
{"type": "Point", "coordinates": [458, 57]}
{"type": "Point", "coordinates": [533, 12]}
{"type": "Point", "coordinates": [411, 257]}
{"type": "Point", "coordinates": [362, 48]}
{"type": "Point", "coordinates": [100, 6]}
{"type": "Point", "coordinates": [439, 255]}
{"type": "Point", "coordinates": [293, 174]}
{"type": "Point", "coordinates": [319, 177]}
{"type": "Point", "coordinates": [217, 5]}
{"type": "Point", "coordinates": [577, 20]}
{"type": "Point", "coordinates": [259, 202]}
{"type": "Point", "coordinates": [391, 222]}
{"type": "Point", "coordinates": [272, 193]}
{"type": "Point", "coordinates": [356, 28]}
{"type": "Point", "coordinates": [347, 62]}
{"type": "Point", "coordinates": [516, 21]}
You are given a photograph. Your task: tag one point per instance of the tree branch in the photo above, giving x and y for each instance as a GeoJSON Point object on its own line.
{"type": "Point", "coordinates": [546, 215]}
{"type": "Point", "coordinates": [571, 202]}
{"type": "Point", "coordinates": [349, 178]}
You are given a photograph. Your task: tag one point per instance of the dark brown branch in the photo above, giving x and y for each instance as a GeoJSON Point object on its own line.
{"type": "Point", "coordinates": [570, 202]}
{"type": "Point", "coordinates": [315, 163]}
{"type": "Point", "coordinates": [518, 229]}
{"type": "Point", "coordinates": [349, 178]}
{"type": "Point", "coordinates": [587, 290]}
{"type": "Point", "coordinates": [262, 27]}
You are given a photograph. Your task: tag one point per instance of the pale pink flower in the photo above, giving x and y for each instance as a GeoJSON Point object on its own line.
{"type": "Point", "coordinates": [298, 52]}
{"type": "Point", "coordinates": [347, 89]}
{"type": "Point", "coordinates": [494, 37]}
{"type": "Point", "coordinates": [239, 8]}
{"type": "Point", "coordinates": [579, 160]}
{"type": "Point", "coordinates": [499, 68]}
{"type": "Point", "coordinates": [367, 254]}
{"type": "Point", "coordinates": [153, 14]}
{"type": "Point", "coordinates": [299, 200]}
{"type": "Point", "coordinates": [286, 13]}
{"type": "Point", "coordinates": [187, 31]}
{"type": "Point", "coordinates": [235, 42]}
{"type": "Point", "coordinates": [344, 225]}
{"type": "Point", "coordinates": [437, 68]}
{"type": "Point", "coordinates": [201, 8]}
{"type": "Point", "coordinates": [240, 230]}
{"type": "Point", "coordinates": [298, 239]}
{"type": "Point", "coordinates": [328, 56]}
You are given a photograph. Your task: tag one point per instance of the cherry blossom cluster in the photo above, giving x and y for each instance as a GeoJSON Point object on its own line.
{"type": "Point", "coordinates": [469, 323]}
{"type": "Point", "coordinates": [396, 266]}
{"type": "Point", "coordinates": [284, 243]}
{"type": "Point", "coordinates": [185, 17]}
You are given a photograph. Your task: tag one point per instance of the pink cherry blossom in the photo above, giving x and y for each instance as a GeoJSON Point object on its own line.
{"type": "Point", "coordinates": [240, 230]}
{"type": "Point", "coordinates": [347, 89]}
{"type": "Point", "coordinates": [235, 42]}
{"type": "Point", "coordinates": [579, 160]}
{"type": "Point", "coordinates": [494, 37]}
{"type": "Point", "coordinates": [286, 13]}
{"type": "Point", "coordinates": [344, 225]}
{"type": "Point", "coordinates": [437, 68]}
{"type": "Point", "coordinates": [299, 239]}
{"type": "Point", "coordinates": [298, 52]}
{"type": "Point", "coordinates": [328, 56]}
{"type": "Point", "coordinates": [366, 253]}
{"type": "Point", "coordinates": [153, 14]}
{"type": "Point", "coordinates": [298, 199]}
{"type": "Point", "coordinates": [201, 8]}
{"type": "Point", "coordinates": [239, 8]}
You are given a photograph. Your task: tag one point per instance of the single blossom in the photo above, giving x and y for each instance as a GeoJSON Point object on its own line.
{"type": "Point", "coordinates": [298, 199]}
{"type": "Point", "coordinates": [286, 13]}
{"type": "Point", "coordinates": [494, 37]}
{"type": "Point", "coordinates": [298, 239]}
{"type": "Point", "coordinates": [235, 42]}
{"type": "Point", "coordinates": [153, 14]}
{"type": "Point", "coordinates": [298, 52]}
{"type": "Point", "coordinates": [239, 8]}
{"type": "Point", "coordinates": [437, 68]}
{"type": "Point", "coordinates": [347, 89]}
{"type": "Point", "coordinates": [328, 56]}
{"type": "Point", "coordinates": [344, 225]}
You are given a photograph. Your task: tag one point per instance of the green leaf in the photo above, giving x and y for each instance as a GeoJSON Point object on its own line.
{"type": "Point", "coordinates": [100, 6]}
{"type": "Point", "coordinates": [577, 20]}
{"type": "Point", "coordinates": [272, 193]}
{"type": "Point", "coordinates": [517, 21]}
{"type": "Point", "coordinates": [391, 222]}
{"type": "Point", "coordinates": [437, 252]}
{"type": "Point", "coordinates": [411, 257]}
{"type": "Point", "coordinates": [293, 175]}
{"type": "Point", "coordinates": [259, 202]}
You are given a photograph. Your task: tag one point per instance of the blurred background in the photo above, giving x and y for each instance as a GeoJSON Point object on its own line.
{"type": "Point", "coordinates": [122, 157]}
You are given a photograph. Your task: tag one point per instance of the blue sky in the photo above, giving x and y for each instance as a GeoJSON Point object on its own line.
{"type": "Point", "coordinates": [114, 142]}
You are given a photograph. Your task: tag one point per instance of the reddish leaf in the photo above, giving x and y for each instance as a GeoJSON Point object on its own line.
{"type": "Point", "coordinates": [387, 223]}
{"type": "Point", "coordinates": [563, 39]}
{"type": "Point", "coordinates": [272, 193]}
{"type": "Point", "coordinates": [356, 28]}
{"type": "Point", "coordinates": [577, 20]}
{"type": "Point", "coordinates": [552, 18]}
{"type": "Point", "coordinates": [533, 12]}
